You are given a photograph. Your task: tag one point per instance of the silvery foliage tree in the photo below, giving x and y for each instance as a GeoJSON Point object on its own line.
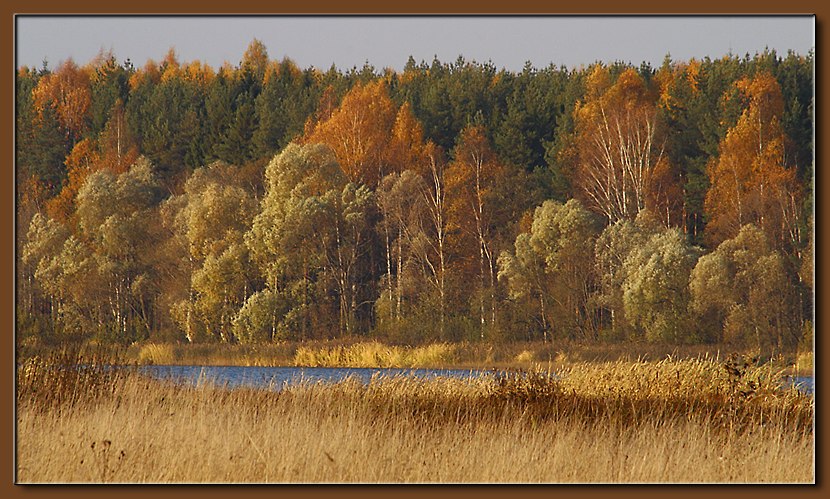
{"type": "Point", "coordinates": [742, 293]}
{"type": "Point", "coordinates": [655, 291]}
{"type": "Point", "coordinates": [306, 242]}
{"type": "Point", "coordinates": [99, 279]}
{"type": "Point", "coordinates": [209, 221]}
{"type": "Point", "coordinates": [40, 259]}
{"type": "Point", "coordinates": [550, 266]}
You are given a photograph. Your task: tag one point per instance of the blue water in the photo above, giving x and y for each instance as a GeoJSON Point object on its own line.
{"type": "Point", "coordinates": [276, 378]}
{"type": "Point", "coordinates": [806, 384]}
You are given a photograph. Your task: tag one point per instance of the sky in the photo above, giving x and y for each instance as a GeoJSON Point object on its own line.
{"type": "Point", "coordinates": [508, 42]}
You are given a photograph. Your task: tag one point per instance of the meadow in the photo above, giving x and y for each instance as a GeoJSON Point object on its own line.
{"type": "Point", "coordinates": [673, 420]}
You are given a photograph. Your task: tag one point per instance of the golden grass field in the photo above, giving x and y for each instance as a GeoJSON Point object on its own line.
{"type": "Point", "coordinates": [676, 421]}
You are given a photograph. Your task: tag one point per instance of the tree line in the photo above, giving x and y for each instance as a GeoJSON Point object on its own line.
{"type": "Point", "coordinates": [450, 201]}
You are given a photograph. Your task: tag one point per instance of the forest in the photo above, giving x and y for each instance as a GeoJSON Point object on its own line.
{"type": "Point", "coordinates": [453, 201]}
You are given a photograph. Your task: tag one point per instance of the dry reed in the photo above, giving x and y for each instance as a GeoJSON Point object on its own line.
{"type": "Point", "coordinates": [668, 421]}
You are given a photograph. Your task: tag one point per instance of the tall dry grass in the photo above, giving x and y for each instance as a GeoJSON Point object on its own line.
{"type": "Point", "coordinates": [375, 354]}
{"type": "Point", "coordinates": [671, 421]}
{"type": "Point", "coordinates": [213, 354]}
{"type": "Point", "coordinates": [465, 355]}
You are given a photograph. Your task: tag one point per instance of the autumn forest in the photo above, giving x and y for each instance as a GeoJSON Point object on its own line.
{"type": "Point", "coordinates": [451, 201]}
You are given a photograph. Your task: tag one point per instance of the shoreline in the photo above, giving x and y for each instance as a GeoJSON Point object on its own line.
{"type": "Point", "coordinates": [483, 356]}
{"type": "Point", "coordinates": [110, 427]}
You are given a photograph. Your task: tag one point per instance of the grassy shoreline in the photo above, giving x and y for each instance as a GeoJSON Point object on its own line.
{"type": "Point", "coordinates": [520, 355]}
{"type": "Point", "coordinates": [643, 422]}
{"type": "Point", "coordinates": [370, 353]}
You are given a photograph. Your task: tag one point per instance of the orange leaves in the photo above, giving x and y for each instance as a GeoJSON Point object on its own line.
{"type": "Point", "coordinates": [629, 92]}
{"type": "Point", "coordinates": [199, 73]}
{"type": "Point", "coordinates": [67, 91]}
{"type": "Point", "coordinates": [597, 84]}
{"type": "Point", "coordinates": [693, 74]}
{"type": "Point", "coordinates": [472, 204]}
{"type": "Point", "coordinates": [114, 150]}
{"type": "Point", "coordinates": [664, 194]}
{"type": "Point", "coordinates": [619, 145]}
{"type": "Point", "coordinates": [148, 74]}
{"type": "Point", "coordinates": [406, 145]}
{"type": "Point", "coordinates": [668, 79]}
{"type": "Point", "coordinates": [672, 78]}
{"type": "Point", "coordinates": [170, 67]}
{"type": "Point", "coordinates": [359, 132]}
{"type": "Point", "coordinates": [81, 161]}
{"type": "Point", "coordinates": [473, 172]}
{"type": "Point", "coordinates": [750, 180]}
{"type": "Point", "coordinates": [474, 148]}
{"type": "Point", "coordinates": [255, 58]}
{"type": "Point", "coordinates": [764, 94]}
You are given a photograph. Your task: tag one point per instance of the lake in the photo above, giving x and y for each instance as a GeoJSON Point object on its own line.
{"type": "Point", "coordinates": [806, 384]}
{"type": "Point", "coordinates": [275, 378]}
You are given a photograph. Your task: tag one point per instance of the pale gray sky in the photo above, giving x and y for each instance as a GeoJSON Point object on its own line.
{"type": "Point", "coordinates": [388, 41]}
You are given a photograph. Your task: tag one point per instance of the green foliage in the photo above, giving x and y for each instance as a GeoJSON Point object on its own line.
{"type": "Point", "coordinates": [40, 145]}
{"type": "Point", "coordinates": [314, 256]}
{"type": "Point", "coordinates": [209, 221]}
{"type": "Point", "coordinates": [288, 98]}
{"type": "Point", "coordinates": [96, 280]}
{"type": "Point", "coordinates": [165, 118]}
{"type": "Point", "coordinates": [613, 246]}
{"type": "Point", "coordinates": [109, 87]}
{"type": "Point", "coordinates": [281, 234]}
{"type": "Point", "coordinates": [310, 233]}
{"type": "Point", "coordinates": [262, 318]}
{"type": "Point", "coordinates": [655, 290]}
{"type": "Point", "coordinates": [743, 291]}
{"type": "Point", "coordinates": [550, 266]}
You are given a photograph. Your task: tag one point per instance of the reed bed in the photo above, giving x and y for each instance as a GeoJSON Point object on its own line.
{"type": "Point", "coordinates": [374, 354]}
{"type": "Point", "coordinates": [465, 355]}
{"type": "Point", "coordinates": [650, 422]}
{"type": "Point", "coordinates": [279, 354]}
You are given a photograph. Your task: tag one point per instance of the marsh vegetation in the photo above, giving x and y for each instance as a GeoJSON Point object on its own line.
{"type": "Point", "coordinates": [666, 421]}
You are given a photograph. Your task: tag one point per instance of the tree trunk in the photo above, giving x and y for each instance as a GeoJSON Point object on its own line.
{"type": "Point", "coordinates": [481, 288]}
{"type": "Point", "coordinates": [388, 269]}
{"type": "Point", "coordinates": [399, 286]}
{"type": "Point", "coordinates": [544, 319]}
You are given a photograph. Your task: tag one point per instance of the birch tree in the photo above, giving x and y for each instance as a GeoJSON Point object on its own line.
{"type": "Point", "coordinates": [622, 166]}
{"type": "Point", "coordinates": [752, 180]}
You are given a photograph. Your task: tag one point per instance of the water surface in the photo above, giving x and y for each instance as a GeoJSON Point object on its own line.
{"type": "Point", "coordinates": [276, 378]}
{"type": "Point", "coordinates": [806, 384]}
